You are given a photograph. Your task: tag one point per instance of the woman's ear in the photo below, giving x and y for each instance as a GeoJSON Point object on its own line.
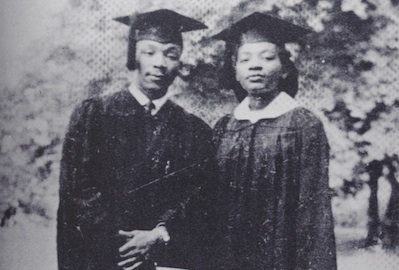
{"type": "Point", "coordinates": [285, 70]}
{"type": "Point", "coordinates": [284, 75]}
{"type": "Point", "coordinates": [233, 65]}
{"type": "Point", "coordinates": [233, 61]}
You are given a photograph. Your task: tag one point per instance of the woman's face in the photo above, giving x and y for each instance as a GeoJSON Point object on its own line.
{"type": "Point", "coordinates": [258, 68]}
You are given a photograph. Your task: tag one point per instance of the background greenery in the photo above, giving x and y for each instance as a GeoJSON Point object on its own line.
{"type": "Point", "coordinates": [348, 77]}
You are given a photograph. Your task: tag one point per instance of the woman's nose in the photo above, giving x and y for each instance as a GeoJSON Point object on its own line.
{"type": "Point", "coordinates": [255, 65]}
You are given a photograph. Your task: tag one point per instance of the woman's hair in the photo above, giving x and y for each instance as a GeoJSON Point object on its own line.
{"type": "Point", "coordinates": [289, 84]}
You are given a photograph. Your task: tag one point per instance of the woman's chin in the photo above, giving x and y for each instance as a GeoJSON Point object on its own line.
{"type": "Point", "coordinates": [260, 92]}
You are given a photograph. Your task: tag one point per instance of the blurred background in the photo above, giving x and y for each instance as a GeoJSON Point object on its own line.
{"type": "Point", "coordinates": [54, 54]}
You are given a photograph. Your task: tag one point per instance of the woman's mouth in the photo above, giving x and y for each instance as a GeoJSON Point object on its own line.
{"type": "Point", "coordinates": [256, 78]}
{"type": "Point", "coordinates": [156, 77]}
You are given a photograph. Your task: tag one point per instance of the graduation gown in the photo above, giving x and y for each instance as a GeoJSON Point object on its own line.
{"type": "Point", "coordinates": [274, 195]}
{"type": "Point", "coordinates": [112, 154]}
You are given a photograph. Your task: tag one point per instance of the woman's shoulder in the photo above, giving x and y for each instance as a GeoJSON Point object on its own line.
{"type": "Point", "coordinates": [303, 117]}
{"type": "Point", "coordinates": [222, 122]}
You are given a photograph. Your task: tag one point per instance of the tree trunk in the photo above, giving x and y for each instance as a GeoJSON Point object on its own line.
{"type": "Point", "coordinates": [374, 170]}
{"type": "Point", "coordinates": [390, 223]}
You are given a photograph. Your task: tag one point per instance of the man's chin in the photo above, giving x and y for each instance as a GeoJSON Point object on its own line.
{"type": "Point", "coordinates": [155, 92]}
{"type": "Point", "coordinates": [156, 85]}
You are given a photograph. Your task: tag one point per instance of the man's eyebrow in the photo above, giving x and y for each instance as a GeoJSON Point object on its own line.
{"type": "Point", "coordinates": [148, 47]}
{"type": "Point", "coordinates": [173, 48]}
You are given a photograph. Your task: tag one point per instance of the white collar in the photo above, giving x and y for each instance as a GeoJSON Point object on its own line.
{"type": "Point", "coordinates": [280, 105]}
{"type": "Point", "coordinates": [143, 100]}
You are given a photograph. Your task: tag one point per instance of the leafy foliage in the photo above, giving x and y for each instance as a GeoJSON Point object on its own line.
{"type": "Point", "coordinates": [347, 77]}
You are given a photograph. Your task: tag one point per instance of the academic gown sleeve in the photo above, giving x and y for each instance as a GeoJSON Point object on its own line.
{"type": "Point", "coordinates": [315, 227]}
{"type": "Point", "coordinates": [184, 221]}
{"type": "Point", "coordinates": [80, 205]}
{"type": "Point", "coordinates": [207, 208]}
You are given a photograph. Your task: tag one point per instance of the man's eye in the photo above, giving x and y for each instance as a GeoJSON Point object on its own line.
{"type": "Point", "coordinates": [243, 60]}
{"type": "Point", "coordinates": [172, 56]}
{"type": "Point", "coordinates": [148, 52]}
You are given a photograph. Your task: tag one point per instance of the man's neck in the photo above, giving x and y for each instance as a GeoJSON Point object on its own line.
{"type": "Point", "coordinates": [143, 100]}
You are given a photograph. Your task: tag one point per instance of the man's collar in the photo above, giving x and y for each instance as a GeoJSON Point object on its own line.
{"type": "Point", "coordinates": [143, 100]}
{"type": "Point", "coordinates": [280, 105]}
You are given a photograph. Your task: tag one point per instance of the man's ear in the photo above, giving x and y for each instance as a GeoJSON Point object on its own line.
{"type": "Point", "coordinates": [184, 70]}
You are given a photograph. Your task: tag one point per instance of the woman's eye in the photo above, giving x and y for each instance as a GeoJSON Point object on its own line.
{"type": "Point", "coordinates": [269, 58]}
{"type": "Point", "coordinates": [148, 52]}
{"type": "Point", "coordinates": [243, 60]}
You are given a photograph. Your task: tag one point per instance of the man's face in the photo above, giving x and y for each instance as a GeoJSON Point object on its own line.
{"type": "Point", "coordinates": [157, 65]}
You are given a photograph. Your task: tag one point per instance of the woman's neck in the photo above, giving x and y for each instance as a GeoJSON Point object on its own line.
{"type": "Point", "coordinates": [259, 102]}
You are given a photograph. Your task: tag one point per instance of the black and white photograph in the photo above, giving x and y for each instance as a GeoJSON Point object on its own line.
{"type": "Point", "coordinates": [199, 135]}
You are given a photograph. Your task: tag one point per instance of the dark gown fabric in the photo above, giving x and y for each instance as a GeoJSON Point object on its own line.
{"type": "Point", "coordinates": [112, 154]}
{"type": "Point", "coordinates": [274, 198]}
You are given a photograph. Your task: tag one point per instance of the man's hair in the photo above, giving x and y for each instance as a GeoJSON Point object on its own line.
{"type": "Point", "coordinates": [131, 50]}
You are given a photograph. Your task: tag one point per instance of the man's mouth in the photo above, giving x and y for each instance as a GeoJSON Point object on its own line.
{"type": "Point", "coordinates": [156, 77]}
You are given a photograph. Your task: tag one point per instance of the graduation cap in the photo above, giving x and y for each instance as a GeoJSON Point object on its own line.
{"type": "Point", "coordinates": [163, 25]}
{"type": "Point", "coordinates": [259, 27]}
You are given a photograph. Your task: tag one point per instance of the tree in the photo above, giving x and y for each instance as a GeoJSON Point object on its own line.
{"type": "Point", "coordinates": [347, 77]}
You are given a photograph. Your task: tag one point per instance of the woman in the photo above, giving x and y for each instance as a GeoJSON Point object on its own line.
{"type": "Point", "coordinates": [272, 158]}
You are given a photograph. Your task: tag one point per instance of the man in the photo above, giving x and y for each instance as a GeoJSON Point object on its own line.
{"type": "Point", "coordinates": [132, 162]}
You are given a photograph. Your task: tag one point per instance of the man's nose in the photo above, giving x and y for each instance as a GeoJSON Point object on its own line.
{"type": "Point", "coordinates": [159, 60]}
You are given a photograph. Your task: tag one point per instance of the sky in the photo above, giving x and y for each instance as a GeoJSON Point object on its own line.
{"type": "Point", "coordinates": [21, 23]}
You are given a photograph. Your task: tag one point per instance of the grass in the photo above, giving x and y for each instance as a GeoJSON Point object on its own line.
{"type": "Point", "coordinates": [352, 255]}
{"type": "Point", "coordinates": [30, 245]}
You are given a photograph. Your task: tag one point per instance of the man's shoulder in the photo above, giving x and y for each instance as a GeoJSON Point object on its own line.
{"type": "Point", "coordinates": [121, 96]}
{"type": "Point", "coordinates": [181, 114]}
{"type": "Point", "coordinates": [103, 101]}
{"type": "Point", "coordinates": [88, 107]}
{"type": "Point", "coordinates": [120, 103]}
{"type": "Point", "coordinates": [177, 110]}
